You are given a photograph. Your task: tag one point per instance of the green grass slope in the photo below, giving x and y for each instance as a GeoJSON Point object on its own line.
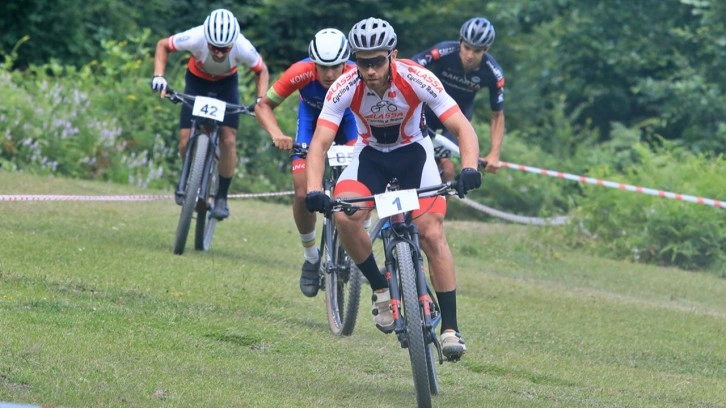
{"type": "Point", "coordinates": [96, 311]}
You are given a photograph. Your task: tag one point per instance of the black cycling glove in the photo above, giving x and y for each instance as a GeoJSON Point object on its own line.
{"type": "Point", "coordinates": [317, 201]}
{"type": "Point", "coordinates": [469, 179]}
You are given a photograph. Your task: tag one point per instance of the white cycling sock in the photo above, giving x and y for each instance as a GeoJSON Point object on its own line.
{"type": "Point", "coordinates": [311, 251]}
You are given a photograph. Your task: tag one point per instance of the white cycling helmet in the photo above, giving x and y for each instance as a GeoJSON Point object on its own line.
{"type": "Point", "coordinates": [221, 28]}
{"type": "Point", "coordinates": [478, 32]}
{"type": "Point", "coordinates": [329, 47]}
{"type": "Point", "coordinates": [372, 34]}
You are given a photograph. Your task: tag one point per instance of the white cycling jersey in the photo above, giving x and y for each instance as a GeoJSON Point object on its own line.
{"type": "Point", "coordinates": [202, 63]}
{"type": "Point", "coordinates": [393, 121]}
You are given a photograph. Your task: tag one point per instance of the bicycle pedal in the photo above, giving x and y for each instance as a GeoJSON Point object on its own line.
{"type": "Point", "coordinates": [453, 359]}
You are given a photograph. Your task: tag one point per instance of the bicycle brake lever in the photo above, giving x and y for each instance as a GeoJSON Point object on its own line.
{"type": "Point", "coordinates": [350, 210]}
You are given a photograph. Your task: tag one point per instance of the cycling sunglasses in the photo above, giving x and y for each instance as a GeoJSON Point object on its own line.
{"type": "Point", "coordinates": [223, 50]}
{"type": "Point", "coordinates": [375, 63]}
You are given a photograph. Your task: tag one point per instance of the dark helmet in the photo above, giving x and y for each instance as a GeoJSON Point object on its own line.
{"type": "Point", "coordinates": [478, 32]}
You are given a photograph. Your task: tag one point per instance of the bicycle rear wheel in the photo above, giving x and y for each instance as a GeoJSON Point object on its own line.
{"type": "Point", "coordinates": [191, 192]}
{"type": "Point", "coordinates": [342, 284]}
{"type": "Point", "coordinates": [432, 350]}
{"type": "Point", "coordinates": [206, 224]}
{"type": "Point", "coordinates": [414, 324]}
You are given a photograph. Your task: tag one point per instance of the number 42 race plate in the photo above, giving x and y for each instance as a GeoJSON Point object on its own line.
{"type": "Point", "coordinates": [211, 108]}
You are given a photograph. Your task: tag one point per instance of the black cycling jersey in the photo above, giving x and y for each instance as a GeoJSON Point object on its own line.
{"type": "Point", "coordinates": [443, 60]}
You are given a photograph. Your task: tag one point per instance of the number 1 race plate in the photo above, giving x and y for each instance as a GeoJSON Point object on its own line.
{"type": "Point", "coordinates": [396, 202]}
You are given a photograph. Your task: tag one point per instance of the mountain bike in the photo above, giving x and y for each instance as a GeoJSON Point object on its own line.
{"type": "Point", "coordinates": [415, 309]}
{"type": "Point", "coordinates": [340, 278]}
{"type": "Point", "coordinates": [199, 179]}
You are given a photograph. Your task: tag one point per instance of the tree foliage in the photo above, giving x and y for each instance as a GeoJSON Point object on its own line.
{"type": "Point", "coordinates": [590, 84]}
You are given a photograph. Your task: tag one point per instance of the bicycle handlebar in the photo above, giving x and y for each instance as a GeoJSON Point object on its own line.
{"type": "Point", "coordinates": [232, 109]}
{"type": "Point", "coordinates": [348, 204]}
{"type": "Point", "coordinates": [300, 149]}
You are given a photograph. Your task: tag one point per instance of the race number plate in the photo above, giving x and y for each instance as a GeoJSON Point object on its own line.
{"type": "Point", "coordinates": [211, 108]}
{"type": "Point", "coordinates": [340, 155]}
{"type": "Point", "coordinates": [396, 202]}
{"type": "Point", "coordinates": [443, 147]}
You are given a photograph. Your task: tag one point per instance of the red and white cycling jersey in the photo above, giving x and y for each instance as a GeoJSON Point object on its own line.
{"type": "Point", "coordinates": [393, 121]}
{"type": "Point", "coordinates": [202, 63]}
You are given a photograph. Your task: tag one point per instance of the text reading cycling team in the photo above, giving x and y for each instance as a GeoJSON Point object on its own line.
{"type": "Point", "coordinates": [385, 106]}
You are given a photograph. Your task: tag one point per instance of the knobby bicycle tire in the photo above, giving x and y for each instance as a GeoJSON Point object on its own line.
{"type": "Point", "coordinates": [414, 324]}
{"type": "Point", "coordinates": [206, 224]}
{"type": "Point", "coordinates": [342, 283]}
{"type": "Point", "coordinates": [431, 361]}
{"type": "Point", "coordinates": [191, 191]}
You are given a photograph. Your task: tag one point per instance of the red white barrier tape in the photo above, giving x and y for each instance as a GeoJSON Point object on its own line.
{"type": "Point", "coordinates": [55, 197]}
{"type": "Point", "coordinates": [621, 186]}
{"type": "Point", "coordinates": [551, 173]}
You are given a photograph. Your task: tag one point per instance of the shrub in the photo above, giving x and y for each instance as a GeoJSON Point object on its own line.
{"type": "Point", "coordinates": [652, 229]}
{"type": "Point", "coordinates": [102, 121]}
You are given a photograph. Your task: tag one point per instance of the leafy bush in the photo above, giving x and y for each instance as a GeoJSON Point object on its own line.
{"type": "Point", "coordinates": [101, 121]}
{"type": "Point", "coordinates": [651, 229]}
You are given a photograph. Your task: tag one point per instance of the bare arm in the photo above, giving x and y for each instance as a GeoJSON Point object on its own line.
{"type": "Point", "coordinates": [161, 55]}
{"type": "Point", "coordinates": [459, 126]}
{"type": "Point", "coordinates": [315, 163]}
{"type": "Point", "coordinates": [497, 136]}
{"type": "Point", "coordinates": [268, 121]}
{"type": "Point", "coordinates": [262, 79]}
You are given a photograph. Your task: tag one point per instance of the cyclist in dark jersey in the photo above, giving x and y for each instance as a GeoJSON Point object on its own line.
{"type": "Point", "coordinates": [464, 67]}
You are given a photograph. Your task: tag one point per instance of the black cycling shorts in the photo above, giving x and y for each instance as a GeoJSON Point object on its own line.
{"type": "Point", "coordinates": [225, 89]}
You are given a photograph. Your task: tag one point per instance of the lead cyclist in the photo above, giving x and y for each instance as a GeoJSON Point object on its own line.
{"type": "Point", "coordinates": [386, 97]}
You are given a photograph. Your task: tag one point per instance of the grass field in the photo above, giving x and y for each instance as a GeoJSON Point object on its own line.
{"type": "Point", "coordinates": [96, 311]}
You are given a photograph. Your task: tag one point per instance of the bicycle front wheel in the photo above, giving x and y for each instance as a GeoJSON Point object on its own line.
{"type": "Point", "coordinates": [342, 284]}
{"type": "Point", "coordinates": [206, 224]}
{"type": "Point", "coordinates": [191, 192]}
{"type": "Point", "coordinates": [414, 324]}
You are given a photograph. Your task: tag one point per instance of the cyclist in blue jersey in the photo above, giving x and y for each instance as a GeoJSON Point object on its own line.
{"type": "Point", "coordinates": [464, 67]}
{"type": "Point", "coordinates": [311, 77]}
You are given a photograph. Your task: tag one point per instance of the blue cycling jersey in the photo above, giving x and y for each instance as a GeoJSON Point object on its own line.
{"type": "Point", "coordinates": [302, 77]}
